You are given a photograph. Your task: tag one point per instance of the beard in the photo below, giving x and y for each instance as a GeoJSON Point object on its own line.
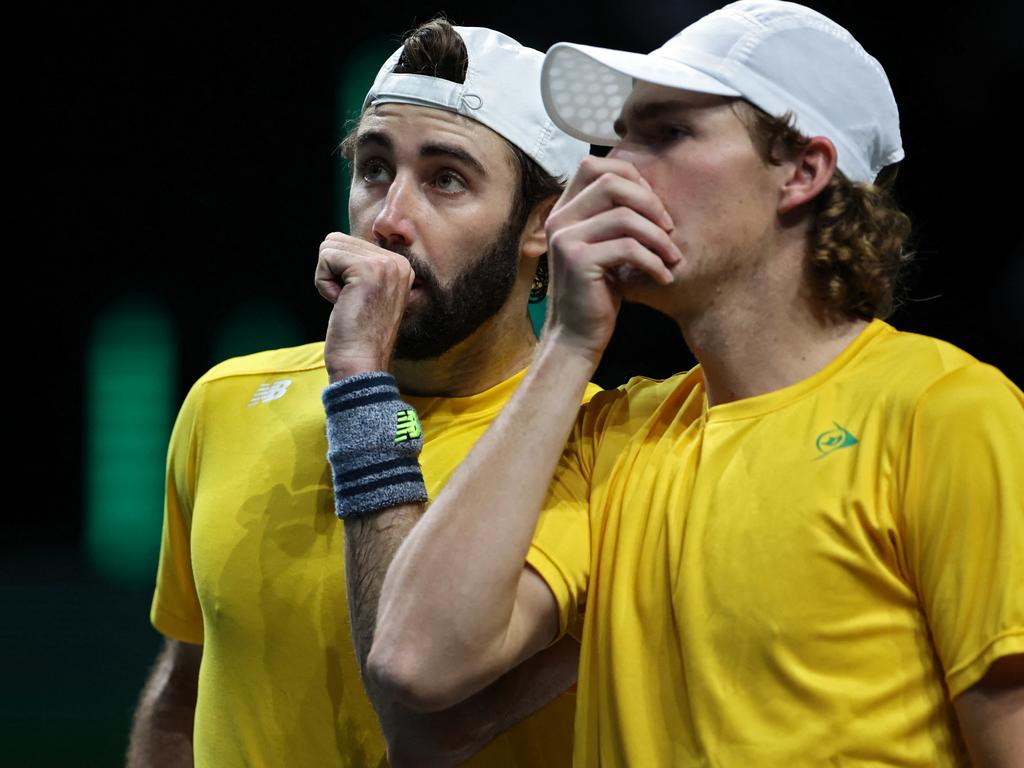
{"type": "Point", "coordinates": [450, 314]}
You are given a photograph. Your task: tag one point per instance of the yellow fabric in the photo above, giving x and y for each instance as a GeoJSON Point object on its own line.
{"type": "Point", "coordinates": [760, 590]}
{"type": "Point", "coordinates": [252, 567]}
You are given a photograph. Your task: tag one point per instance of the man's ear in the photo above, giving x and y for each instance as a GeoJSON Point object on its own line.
{"type": "Point", "coordinates": [811, 170]}
{"type": "Point", "coordinates": [533, 244]}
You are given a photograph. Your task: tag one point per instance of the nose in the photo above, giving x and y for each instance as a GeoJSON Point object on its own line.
{"type": "Point", "coordinates": [395, 223]}
{"type": "Point", "coordinates": [626, 151]}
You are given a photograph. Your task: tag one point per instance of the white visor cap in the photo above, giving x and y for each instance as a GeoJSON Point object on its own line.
{"type": "Point", "coordinates": [500, 91]}
{"type": "Point", "coordinates": [779, 56]}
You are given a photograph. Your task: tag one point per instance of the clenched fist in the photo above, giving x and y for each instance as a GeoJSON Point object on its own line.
{"type": "Point", "coordinates": [368, 286]}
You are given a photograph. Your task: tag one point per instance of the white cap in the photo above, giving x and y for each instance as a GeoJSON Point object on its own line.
{"type": "Point", "coordinates": [500, 91]}
{"type": "Point", "coordinates": [779, 56]}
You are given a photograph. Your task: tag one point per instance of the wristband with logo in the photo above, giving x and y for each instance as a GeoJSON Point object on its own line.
{"type": "Point", "coordinates": [373, 443]}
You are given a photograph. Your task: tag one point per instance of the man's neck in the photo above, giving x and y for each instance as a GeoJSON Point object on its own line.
{"type": "Point", "coordinates": [498, 349]}
{"type": "Point", "coordinates": [761, 339]}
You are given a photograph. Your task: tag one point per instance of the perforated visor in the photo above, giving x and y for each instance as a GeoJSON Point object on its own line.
{"type": "Point", "coordinates": [584, 87]}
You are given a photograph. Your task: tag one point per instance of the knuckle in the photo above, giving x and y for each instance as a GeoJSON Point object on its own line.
{"type": "Point", "coordinates": [556, 238]}
{"type": "Point", "coordinates": [606, 181]}
{"type": "Point", "coordinates": [553, 231]}
{"type": "Point", "coordinates": [589, 163]}
{"type": "Point", "coordinates": [394, 267]}
{"type": "Point", "coordinates": [568, 246]}
{"type": "Point", "coordinates": [621, 214]}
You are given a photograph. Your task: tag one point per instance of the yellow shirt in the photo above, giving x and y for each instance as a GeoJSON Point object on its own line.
{"type": "Point", "coordinates": [252, 567]}
{"type": "Point", "coordinates": [806, 577]}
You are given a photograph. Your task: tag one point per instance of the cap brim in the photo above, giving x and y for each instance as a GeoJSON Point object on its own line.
{"type": "Point", "coordinates": [584, 87]}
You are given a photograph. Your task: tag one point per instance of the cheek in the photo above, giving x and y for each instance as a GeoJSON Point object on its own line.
{"type": "Point", "coordinates": [727, 202]}
{"type": "Point", "coordinates": [362, 210]}
{"type": "Point", "coordinates": [694, 202]}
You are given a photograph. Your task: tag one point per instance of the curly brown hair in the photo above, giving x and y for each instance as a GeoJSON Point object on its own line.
{"type": "Point", "coordinates": [858, 239]}
{"type": "Point", "coordinates": [436, 49]}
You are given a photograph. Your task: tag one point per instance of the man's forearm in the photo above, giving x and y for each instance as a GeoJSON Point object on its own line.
{"type": "Point", "coordinates": [448, 608]}
{"type": "Point", "coordinates": [161, 736]}
{"type": "Point", "coordinates": [162, 729]}
{"type": "Point", "coordinates": [991, 715]}
{"type": "Point", "coordinates": [370, 546]}
{"type": "Point", "coordinates": [450, 736]}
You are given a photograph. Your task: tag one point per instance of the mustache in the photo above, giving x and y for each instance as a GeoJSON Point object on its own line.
{"type": "Point", "coordinates": [424, 273]}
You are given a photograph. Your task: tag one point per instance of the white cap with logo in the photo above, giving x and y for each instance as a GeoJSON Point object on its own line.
{"type": "Point", "coordinates": [500, 91]}
{"type": "Point", "coordinates": [779, 56]}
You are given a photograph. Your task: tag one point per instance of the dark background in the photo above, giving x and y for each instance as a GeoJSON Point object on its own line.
{"type": "Point", "coordinates": [188, 156]}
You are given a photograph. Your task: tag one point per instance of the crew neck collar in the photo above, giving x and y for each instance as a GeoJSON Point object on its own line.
{"type": "Point", "coordinates": [455, 407]}
{"type": "Point", "coordinates": [750, 407]}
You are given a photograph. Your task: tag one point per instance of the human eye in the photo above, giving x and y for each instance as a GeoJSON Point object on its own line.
{"type": "Point", "coordinates": [373, 170]}
{"type": "Point", "coordinates": [449, 182]}
{"type": "Point", "coordinates": [670, 132]}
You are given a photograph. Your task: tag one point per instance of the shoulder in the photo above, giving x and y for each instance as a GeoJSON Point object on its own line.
{"type": "Point", "coordinates": [274, 362]}
{"type": "Point", "coordinates": [625, 408]}
{"type": "Point", "coordinates": [900, 373]}
{"type": "Point", "coordinates": [927, 353]}
{"type": "Point", "coordinates": [642, 393]}
{"type": "Point", "coordinates": [939, 403]}
{"type": "Point", "coordinates": [974, 397]}
{"type": "Point", "coordinates": [257, 378]}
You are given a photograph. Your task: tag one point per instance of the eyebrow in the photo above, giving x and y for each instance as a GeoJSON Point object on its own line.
{"type": "Point", "coordinates": [380, 138]}
{"type": "Point", "coordinates": [434, 149]}
{"type": "Point", "coordinates": [448, 150]}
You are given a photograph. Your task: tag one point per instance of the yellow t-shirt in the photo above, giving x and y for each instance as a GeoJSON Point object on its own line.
{"type": "Point", "coordinates": [806, 577]}
{"type": "Point", "coordinates": [252, 567]}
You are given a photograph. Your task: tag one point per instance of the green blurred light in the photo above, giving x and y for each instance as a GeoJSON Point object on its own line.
{"type": "Point", "coordinates": [354, 81]}
{"type": "Point", "coordinates": [254, 327]}
{"type": "Point", "coordinates": [131, 381]}
{"type": "Point", "coordinates": [537, 312]}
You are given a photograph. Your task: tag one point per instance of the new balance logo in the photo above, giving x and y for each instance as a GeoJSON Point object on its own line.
{"type": "Point", "coordinates": [267, 392]}
{"type": "Point", "coordinates": [407, 426]}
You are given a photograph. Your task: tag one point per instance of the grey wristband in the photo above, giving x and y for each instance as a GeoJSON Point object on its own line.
{"type": "Point", "coordinates": [373, 441]}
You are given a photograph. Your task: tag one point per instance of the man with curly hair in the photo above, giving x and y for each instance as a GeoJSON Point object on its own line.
{"type": "Point", "coordinates": [807, 550]}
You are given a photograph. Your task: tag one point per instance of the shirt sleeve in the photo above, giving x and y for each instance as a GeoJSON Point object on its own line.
{"type": "Point", "coordinates": [963, 518]}
{"type": "Point", "coordinates": [175, 610]}
{"type": "Point", "coordinates": [560, 550]}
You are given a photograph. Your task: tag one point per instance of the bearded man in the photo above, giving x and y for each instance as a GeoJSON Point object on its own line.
{"type": "Point", "coordinates": [455, 166]}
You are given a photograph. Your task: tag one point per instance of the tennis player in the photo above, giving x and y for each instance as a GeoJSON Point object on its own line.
{"type": "Point", "coordinates": [455, 168]}
{"type": "Point", "coordinates": [809, 549]}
